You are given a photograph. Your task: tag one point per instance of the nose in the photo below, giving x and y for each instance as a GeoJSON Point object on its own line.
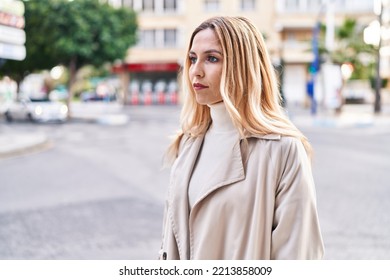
{"type": "Point", "coordinates": [197, 69]}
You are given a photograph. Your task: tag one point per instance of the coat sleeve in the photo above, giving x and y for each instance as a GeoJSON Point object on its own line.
{"type": "Point", "coordinates": [296, 231]}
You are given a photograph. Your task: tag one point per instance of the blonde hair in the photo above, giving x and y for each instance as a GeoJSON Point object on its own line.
{"type": "Point", "coordinates": [249, 86]}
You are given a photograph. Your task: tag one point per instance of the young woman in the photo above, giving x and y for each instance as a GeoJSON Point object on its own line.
{"type": "Point", "coordinates": [241, 184]}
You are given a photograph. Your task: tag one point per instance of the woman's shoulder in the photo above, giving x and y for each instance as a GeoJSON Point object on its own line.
{"type": "Point", "coordinates": [276, 139]}
{"type": "Point", "coordinates": [277, 144]}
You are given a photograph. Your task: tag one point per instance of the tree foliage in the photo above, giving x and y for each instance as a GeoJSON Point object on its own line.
{"type": "Point", "coordinates": [73, 33]}
{"type": "Point", "coordinates": [351, 48]}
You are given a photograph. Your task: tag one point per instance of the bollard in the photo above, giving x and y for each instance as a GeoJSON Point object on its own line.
{"type": "Point", "coordinates": [174, 98]}
{"type": "Point", "coordinates": [148, 98]}
{"type": "Point", "coordinates": [160, 97]}
{"type": "Point", "coordinates": [134, 98]}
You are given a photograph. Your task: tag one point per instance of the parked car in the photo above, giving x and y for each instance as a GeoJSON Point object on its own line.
{"type": "Point", "coordinates": [358, 91]}
{"type": "Point", "coordinates": [93, 96]}
{"type": "Point", "coordinates": [60, 93]}
{"type": "Point", "coordinates": [37, 110]}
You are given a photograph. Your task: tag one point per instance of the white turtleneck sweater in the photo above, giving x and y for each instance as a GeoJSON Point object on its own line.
{"type": "Point", "coordinates": [220, 138]}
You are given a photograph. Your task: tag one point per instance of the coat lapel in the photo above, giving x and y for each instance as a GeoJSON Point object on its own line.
{"type": "Point", "coordinates": [231, 171]}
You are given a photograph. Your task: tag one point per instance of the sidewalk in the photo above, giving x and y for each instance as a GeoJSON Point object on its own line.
{"type": "Point", "coordinates": [14, 144]}
{"type": "Point", "coordinates": [108, 113]}
{"type": "Point", "coordinates": [351, 116]}
{"type": "Point", "coordinates": [18, 143]}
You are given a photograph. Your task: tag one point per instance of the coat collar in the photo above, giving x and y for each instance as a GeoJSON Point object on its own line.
{"type": "Point", "coordinates": [271, 136]}
{"type": "Point", "coordinates": [233, 171]}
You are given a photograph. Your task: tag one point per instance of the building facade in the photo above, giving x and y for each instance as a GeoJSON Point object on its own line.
{"type": "Point", "coordinates": [295, 21]}
{"type": "Point", "coordinates": [165, 27]}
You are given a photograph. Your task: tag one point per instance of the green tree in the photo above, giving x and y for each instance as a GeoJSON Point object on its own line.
{"type": "Point", "coordinates": [351, 48]}
{"type": "Point", "coordinates": [73, 33]}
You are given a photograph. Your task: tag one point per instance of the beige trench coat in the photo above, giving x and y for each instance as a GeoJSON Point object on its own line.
{"type": "Point", "coordinates": [260, 205]}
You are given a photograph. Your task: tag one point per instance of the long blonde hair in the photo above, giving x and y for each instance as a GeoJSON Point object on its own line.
{"type": "Point", "coordinates": [249, 86]}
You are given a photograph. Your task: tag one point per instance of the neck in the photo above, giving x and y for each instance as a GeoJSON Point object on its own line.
{"type": "Point", "coordinates": [221, 120]}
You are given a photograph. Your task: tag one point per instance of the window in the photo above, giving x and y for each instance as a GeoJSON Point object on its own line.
{"type": "Point", "coordinates": [291, 37]}
{"type": "Point", "coordinates": [170, 5]}
{"type": "Point", "coordinates": [128, 4]}
{"type": "Point", "coordinates": [314, 5]}
{"type": "Point", "coordinates": [350, 6]}
{"type": "Point", "coordinates": [292, 5]}
{"type": "Point", "coordinates": [341, 4]}
{"type": "Point", "coordinates": [247, 5]}
{"type": "Point", "coordinates": [114, 3]}
{"type": "Point", "coordinates": [148, 5]}
{"type": "Point", "coordinates": [170, 38]}
{"type": "Point", "coordinates": [147, 38]}
{"type": "Point", "coordinates": [211, 5]}
{"type": "Point", "coordinates": [158, 38]}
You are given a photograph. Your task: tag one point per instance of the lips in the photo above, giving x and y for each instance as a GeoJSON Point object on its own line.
{"type": "Point", "coordinates": [199, 86]}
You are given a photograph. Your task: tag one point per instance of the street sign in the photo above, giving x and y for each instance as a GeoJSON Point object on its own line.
{"type": "Point", "coordinates": [12, 35]}
{"type": "Point", "coordinates": [13, 7]}
{"type": "Point", "coordinates": [11, 20]}
{"type": "Point", "coordinates": [14, 52]}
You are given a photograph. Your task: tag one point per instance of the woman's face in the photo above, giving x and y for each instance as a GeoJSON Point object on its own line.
{"type": "Point", "coordinates": [206, 67]}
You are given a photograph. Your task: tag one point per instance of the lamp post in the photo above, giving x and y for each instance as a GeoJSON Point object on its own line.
{"type": "Point", "coordinates": [373, 36]}
{"type": "Point", "coordinates": [378, 9]}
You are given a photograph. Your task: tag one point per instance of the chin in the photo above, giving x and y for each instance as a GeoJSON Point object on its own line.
{"type": "Point", "coordinates": [205, 101]}
{"type": "Point", "coordinates": [201, 101]}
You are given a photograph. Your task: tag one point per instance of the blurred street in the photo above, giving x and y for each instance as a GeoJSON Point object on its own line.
{"type": "Point", "coordinates": [96, 189]}
{"type": "Point", "coordinates": [351, 171]}
{"type": "Point", "coordinates": [96, 192]}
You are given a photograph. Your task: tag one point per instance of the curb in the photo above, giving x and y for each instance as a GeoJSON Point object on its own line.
{"type": "Point", "coordinates": [113, 119]}
{"type": "Point", "coordinates": [21, 144]}
{"type": "Point", "coordinates": [351, 116]}
{"type": "Point", "coordinates": [345, 121]}
{"type": "Point", "coordinates": [104, 119]}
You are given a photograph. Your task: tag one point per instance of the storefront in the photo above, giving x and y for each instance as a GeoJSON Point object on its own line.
{"type": "Point", "coordinates": [148, 83]}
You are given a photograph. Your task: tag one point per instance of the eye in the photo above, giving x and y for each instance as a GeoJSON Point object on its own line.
{"type": "Point", "coordinates": [192, 59]}
{"type": "Point", "coordinates": [212, 59]}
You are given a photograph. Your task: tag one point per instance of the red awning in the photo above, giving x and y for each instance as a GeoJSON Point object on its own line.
{"type": "Point", "coordinates": [146, 67]}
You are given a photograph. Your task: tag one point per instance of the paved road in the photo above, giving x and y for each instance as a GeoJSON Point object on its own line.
{"type": "Point", "coordinates": [98, 191]}
{"type": "Point", "coordinates": [351, 169]}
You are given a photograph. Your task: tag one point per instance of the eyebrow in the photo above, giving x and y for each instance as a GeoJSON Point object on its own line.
{"type": "Point", "coordinates": [208, 52]}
